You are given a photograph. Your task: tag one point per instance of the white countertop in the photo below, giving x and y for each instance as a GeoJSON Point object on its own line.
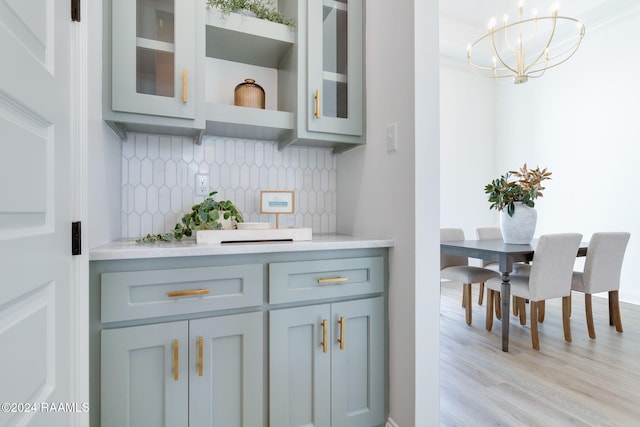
{"type": "Point", "coordinates": [129, 249]}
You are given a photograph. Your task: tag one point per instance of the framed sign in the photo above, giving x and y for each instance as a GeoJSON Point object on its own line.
{"type": "Point", "coordinates": [276, 202]}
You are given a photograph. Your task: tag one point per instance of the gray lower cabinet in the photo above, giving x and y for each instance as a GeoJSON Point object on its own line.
{"type": "Point", "coordinates": [225, 382]}
{"type": "Point", "coordinates": [193, 341]}
{"type": "Point", "coordinates": [141, 375]}
{"type": "Point", "coordinates": [204, 372]}
{"type": "Point", "coordinates": [326, 364]}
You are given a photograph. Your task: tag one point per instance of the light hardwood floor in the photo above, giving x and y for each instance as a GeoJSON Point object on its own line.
{"type": "Point", "coordinates": [583, 383]}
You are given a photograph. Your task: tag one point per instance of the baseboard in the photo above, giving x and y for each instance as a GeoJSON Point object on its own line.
{"type": "Point", "coordinates": [632, 297]}
{"type": "Point", "coordinates": [391, 423]}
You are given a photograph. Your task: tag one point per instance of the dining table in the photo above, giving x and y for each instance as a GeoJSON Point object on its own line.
{"type": "Point", "coordinates": [505, 255]}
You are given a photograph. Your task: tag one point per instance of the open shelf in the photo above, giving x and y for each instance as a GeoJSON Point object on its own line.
{"type": "Point", "coordinates": [249, 123]}
{"type": "Point", "coordinates": [241, 38]}
{"type": "Point", "coordinates": [157, 45]}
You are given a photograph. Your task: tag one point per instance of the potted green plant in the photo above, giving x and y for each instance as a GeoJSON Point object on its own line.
{"type": "Point", "coordinates": [514, 193]}
{"type": "Point", "coordinates": [261, 9]}
{"type": "Point", "coordinates": [505, 192]}
{"type": "Point", "coordinates": [206, 215]}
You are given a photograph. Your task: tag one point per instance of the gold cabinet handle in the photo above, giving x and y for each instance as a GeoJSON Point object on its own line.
{"type": "Point", "coordinates": [184, 85]}
{"type": "Point", "coordinates": [176, 348]}
{"type": "Point", "coordinates": [317, 98]}
{"type": "Point", "coordinates": [333, 280]}
{"type": "Point", "coordinates": [200, 355]}
{"type": "Point", "coordinates": [188, 293]}
{"type": "Point", "coordinates": [325, 340]}
{"type": "Point", "coordinates": [343, 325]}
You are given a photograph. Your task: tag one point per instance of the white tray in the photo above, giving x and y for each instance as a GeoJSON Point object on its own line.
{"type": "Point", "coordinates": [216, 237]}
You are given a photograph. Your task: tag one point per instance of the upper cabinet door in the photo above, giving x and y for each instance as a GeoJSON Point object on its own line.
{"type": "Point", "coordinates": [335, 60]}
{"type": "Point", "coordinates": [153, 51]}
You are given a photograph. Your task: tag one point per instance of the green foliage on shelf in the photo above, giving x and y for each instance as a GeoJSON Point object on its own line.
{"type": "Point", "coordinates": [263, 9]}
{"type": "Point", "coordinates": [203, 216]}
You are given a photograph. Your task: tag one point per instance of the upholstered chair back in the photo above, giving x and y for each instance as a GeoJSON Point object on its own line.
{"type": "Point", "coordinates": [488, 233]}
{"type": "Point", "coordinates": [603, 264]}
{"type": "Point", "coordinates": [452, 235]}
{"type": "Point", "coordinates": [552, 265]}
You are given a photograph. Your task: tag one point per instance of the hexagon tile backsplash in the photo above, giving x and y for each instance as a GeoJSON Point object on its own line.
{"type": "Point", "coordinates": [159, 174]}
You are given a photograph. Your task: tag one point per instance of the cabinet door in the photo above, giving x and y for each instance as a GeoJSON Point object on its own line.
{"type": "Point", "coordinates": [144, 376]}
{"type": "Point", "coordinates": [153, 57]}
{"type": "Point", "coordinates": [335, 61]}
{"type": "Point", "coordinates": [357, 363]}
{"type": "Point", "coordinates": [299, 366]}
{"type": "Point", "coordinates": [226, 371]}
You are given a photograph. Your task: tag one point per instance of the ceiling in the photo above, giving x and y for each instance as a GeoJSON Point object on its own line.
{"type": "Point", "coordinates": [477, 13]}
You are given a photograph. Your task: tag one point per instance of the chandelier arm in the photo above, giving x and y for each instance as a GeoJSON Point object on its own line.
{"type": "Point", "coordinates": [569, 52]}
{"type": "Point", "coordinates": [492, 44]}
{"type": "Point", "coordinates": [477, 70]}
{"type": "Point", "coordinates": [536, 76]}
{"type": "Point", "coordinates": [561, 62]}
{"type": "Point", "coordinates": [506, 38]}
{"type": "Point", "coordinates": [535, 34]}
{"type": "Point", "coordinates": [545, 50]}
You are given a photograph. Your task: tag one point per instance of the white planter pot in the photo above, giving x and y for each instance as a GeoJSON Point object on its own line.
{"type": "Point", "coordinates": [227, 224]}
{"type": "Point", "coordinates": [519, 228]}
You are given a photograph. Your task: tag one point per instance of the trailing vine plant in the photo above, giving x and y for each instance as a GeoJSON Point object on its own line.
{"type": "Point", "coordinates": [203, 216]}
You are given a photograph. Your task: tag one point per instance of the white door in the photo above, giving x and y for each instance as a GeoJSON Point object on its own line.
{"type": "Point", "coordinates": [36, 352]}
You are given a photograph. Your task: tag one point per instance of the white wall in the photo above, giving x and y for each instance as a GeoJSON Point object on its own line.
{"type": "Point", "coordinates": [396, 194]}
{"type": "Point", "coordinates": [104, 148]}
{"type": "Point", "coordinates": [581, 121]}
{"type": "Point", "coordinates": [467, 147]}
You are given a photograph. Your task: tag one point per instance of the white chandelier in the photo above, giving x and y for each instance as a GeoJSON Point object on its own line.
{"type": "Point", "coordinates": [526, 48]}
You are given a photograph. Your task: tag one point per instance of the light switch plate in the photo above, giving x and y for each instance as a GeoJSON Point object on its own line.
{"type": "Point", "coordinates": [392, 140]}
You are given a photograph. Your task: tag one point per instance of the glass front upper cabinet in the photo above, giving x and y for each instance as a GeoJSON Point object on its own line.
{"type": "Point", "coordinates": [335, 66]}
{"type": "Point", "coordinates": [153, 57]}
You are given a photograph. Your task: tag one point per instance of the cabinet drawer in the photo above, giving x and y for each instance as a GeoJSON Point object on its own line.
{"type": "Point", "coordinates": [309, 280]}
{"type": "Point", "coordinates": [153, 293]}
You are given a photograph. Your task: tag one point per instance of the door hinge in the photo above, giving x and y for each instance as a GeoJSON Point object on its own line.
{"type": "Point", "coordinates": [75, 10]}
{"type": "Point", "coordinates": [76, 237]}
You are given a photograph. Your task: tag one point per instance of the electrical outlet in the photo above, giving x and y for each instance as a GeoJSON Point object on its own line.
{"type": "Point", "coordinates": [202, 185]}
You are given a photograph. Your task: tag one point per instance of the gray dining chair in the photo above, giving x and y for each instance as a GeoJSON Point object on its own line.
{"type": "Point", "coordinates": [549, 277]}
{"type": "Point", "coordinates": [601, 273]}
{"type": "Point", "coordinates": [457, 268]}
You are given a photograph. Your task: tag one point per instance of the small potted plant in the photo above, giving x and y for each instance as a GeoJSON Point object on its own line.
{"type": "Point", "coordinates": [514, 193]}
{"type": "Point", "coordinates": [261, 9]}
{"type": "Point", "coordinates": [206, 215]}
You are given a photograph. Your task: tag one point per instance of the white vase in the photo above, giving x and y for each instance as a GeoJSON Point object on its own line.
{"type": "Point", "coordinates": [519, 228]}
